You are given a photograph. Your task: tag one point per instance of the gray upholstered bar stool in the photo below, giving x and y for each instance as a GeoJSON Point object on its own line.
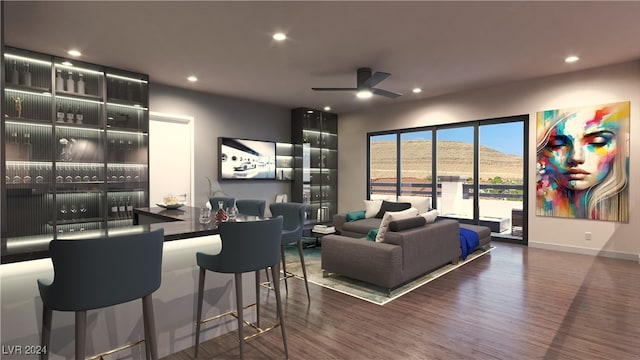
{"type": "Point", "coordinates": [96, 273]}
{"type": "Point", "coordinates": [228, 202]}
{"type": "Point", "coordinates": [247, 246]}
{"type": "Point", "coordinates": [292, 227]}
{"type": "Point", "coordinates": [251, 207]}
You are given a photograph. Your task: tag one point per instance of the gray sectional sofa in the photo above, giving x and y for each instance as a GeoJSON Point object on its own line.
{"type": "Point", "coordinates": [411, 248]}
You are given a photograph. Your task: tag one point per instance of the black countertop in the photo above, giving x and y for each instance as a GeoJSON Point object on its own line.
{"type": "Point", "coordinates": [177, 224]}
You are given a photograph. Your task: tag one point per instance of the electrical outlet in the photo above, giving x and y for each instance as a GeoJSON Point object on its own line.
{"type": "Point", "coordinates": [587, 235]}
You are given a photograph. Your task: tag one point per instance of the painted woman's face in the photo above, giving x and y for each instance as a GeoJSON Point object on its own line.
{"type": "Point", "coordinates": [581, 149]}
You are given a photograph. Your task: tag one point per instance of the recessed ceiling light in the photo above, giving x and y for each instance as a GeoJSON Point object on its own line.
{"type": "Point", "coordinates": [279, 36]}
{"type": "Point", "coordinates": [327, 108]}
{"type": "Point", "coordinates": [309, 111]}
{"type": "Point", "coordinates": [571, 59]}
{"type": "Point", "coordinates": [192, 78]}
{"type": "Point", "coordinates": [364, 94]}
{"type": "Point", "coordinates": [416, 90]}
{"type": "Point", "coordinates": [74, 52]}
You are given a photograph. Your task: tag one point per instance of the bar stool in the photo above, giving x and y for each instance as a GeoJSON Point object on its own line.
{"type": "Point", "coordinates": [292, 227]}
{"type": "Point", "coordinates": [246, 246]}
{"type": "Point", "coordinates": [251, 207]}
{"type": "Point", "coordinates": [96, 273]}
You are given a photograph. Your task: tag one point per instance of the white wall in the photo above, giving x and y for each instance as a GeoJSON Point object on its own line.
{"type": "Point", "coordinates": [613, 83]}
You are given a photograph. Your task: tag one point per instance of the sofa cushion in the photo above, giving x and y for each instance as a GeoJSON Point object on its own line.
{"type": "Point", "coordinates": [391, 206]}
{"type": "Point", "coordinates": [382, 197]}
{"type": "Point", "coordinates": [361, 226]}
{"type": "Point", "coordinates": [390, 216]}
{"type": "Point", "coordinates": [355, 215]}
{"type": "Point", "coordinates": [408, 223]}
{"type": "Point", "coordinates": [371, 208]}
{"type": "Point", "coordinates": [422, 203]}
{"type": "Point", "coordinates": [430, 215]}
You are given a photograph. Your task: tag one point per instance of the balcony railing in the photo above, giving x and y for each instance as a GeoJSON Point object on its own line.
{"type": "Point", "coordinates": [493, 191]}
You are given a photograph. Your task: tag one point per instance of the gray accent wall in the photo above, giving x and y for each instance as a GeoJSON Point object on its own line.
{"type": "Point", "coordinates": [216, 116]}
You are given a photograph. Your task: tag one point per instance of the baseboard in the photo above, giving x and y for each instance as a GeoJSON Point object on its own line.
{"type": "Point", "coordinates": [586, 251]}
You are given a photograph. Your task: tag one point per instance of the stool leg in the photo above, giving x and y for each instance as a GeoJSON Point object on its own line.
{"type": "Point", "coordinates": [199, 311]}
{"type": "Point", "coordinates": [304, 269]}
{"type": "Point", "coordinates": [240, 312]}
{"type": "Point", "coordinates": [258, 298]}
{"type": "Point", "coordinates": [284, 269]}
{"type": "Point", "coordinates": [150, 326]}
{"type": "Point", "coordinates": [81, 328]}
{"type": "Point", "coordinates": [46, 331]}
{"type": "Point", "coordinates": [276, 276]}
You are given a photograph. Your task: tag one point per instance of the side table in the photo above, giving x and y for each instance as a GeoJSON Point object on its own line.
{"type": "Point", "coordinates": [308, 229]}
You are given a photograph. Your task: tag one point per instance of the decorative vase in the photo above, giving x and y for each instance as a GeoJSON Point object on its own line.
{"type": "Point", "coordinates": [221, 215]}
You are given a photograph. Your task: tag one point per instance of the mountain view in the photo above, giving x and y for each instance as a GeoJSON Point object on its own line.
{"type": "Point", "coordinates": [456, 159]}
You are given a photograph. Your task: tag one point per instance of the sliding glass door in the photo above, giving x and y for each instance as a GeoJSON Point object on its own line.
{"type": "Point", "coordinates": [455, 159]}
{"type": "Point", "coordinates": [501, 166]}
{"type": "Point", "coordinates": [473, 172]}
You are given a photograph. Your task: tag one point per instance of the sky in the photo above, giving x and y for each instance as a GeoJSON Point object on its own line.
{"type": "Point", "coordinates": [507, 138]}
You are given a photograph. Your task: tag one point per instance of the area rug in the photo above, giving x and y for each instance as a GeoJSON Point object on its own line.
{"type": "Point", "coordinates": [359, 289]}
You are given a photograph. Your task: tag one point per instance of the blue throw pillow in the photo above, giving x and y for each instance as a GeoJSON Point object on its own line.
{"type": "Point", "coordinates": [372, 234]}
{"type": "Point", "coordinates": [356, 215]}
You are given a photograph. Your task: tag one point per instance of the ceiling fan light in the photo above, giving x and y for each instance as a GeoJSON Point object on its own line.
{"type": "Point", "coordinates": [364, 94]}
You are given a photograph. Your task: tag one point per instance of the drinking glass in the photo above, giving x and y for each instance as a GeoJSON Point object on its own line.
{"type": "Point", "coordinates": [232, 213]}
{"type": "Point", "coordinates": [205, 215]}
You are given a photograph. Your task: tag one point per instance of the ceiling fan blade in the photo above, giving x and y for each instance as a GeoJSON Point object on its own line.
{"type": "Point", "coordinates": [374, 79]}
{"type": "Point", "coordinates": [389, 94]}
{"type": "Point", "coordinates": [334, 89]}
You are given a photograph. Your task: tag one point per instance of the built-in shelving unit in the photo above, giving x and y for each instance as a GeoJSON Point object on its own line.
{"type": "Point", "coordinates": [315, 141]}
{"type": "Point", "coordinates": [75, 146]}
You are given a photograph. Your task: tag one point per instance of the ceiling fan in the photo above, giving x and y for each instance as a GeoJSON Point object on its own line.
{"type": "Point", "coordinates": [365, 85]}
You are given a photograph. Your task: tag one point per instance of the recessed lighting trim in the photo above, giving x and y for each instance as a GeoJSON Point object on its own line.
{"type": "Point", "coordinates": [192, 78]}
{"type": "Point", "coordinates": [571, 59]}
{"type": "Point", "coordinates": [364, 94]}
{"type": "Point", "coordinates": [279, 36]}
{"type": "Point", "coordinates": [417, 90]}
{"type": "Point", "coordinates": [74, 52]}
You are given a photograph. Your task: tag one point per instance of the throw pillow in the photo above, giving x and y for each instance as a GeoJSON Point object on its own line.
{"type": "Point", "coordinates": [430, 215]}
{"type": "Point", "coordinates": [371, 208]}
{"type": "Point", "coordinates": [372, 234]}
{"type": "Point", "coordinates": [422, 203]}
{"type": "Point", "coordinates": [355, 215]}
{"type": "Point", "coordinates": [391, 206]}
{"type": "Point", "coordinates": [406, 224]}
{"type": "Point", "coordinates": [390, 216]}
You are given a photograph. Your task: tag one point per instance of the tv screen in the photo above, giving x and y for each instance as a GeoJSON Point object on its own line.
{"type": "Point", "coordinates": [247, 159]}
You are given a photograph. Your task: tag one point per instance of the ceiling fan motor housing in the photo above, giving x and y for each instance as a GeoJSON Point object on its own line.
{"type": "Point", "coordinates": [363, 75]}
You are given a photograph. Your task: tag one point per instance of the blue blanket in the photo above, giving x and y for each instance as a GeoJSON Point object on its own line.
{"type": "Point", "coordinates": [469, 241]}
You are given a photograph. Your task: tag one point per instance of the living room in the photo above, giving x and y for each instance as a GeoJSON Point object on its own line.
{"type": "Point", "coordinates": [233, 116]}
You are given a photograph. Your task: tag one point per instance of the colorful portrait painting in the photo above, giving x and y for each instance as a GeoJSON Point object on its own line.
{"type": "Point", "coordinates": [583, 162]}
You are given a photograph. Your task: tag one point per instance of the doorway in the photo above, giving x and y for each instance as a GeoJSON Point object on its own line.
{"type": "Point", "coordinates": [171, 168]}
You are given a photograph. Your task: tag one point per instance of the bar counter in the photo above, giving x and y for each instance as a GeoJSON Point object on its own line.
{"type": "Point", "coordinates": [178, 224]}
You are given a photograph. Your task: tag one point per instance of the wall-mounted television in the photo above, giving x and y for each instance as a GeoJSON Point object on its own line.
{"type": "Point", "coordinates": [243, 159]}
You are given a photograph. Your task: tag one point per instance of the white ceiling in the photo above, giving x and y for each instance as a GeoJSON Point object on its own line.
{"type": "Point", "coordinates": [443, 47]}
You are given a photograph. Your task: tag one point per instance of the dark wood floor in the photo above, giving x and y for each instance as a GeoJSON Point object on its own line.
{"type": "Point", "coordinates": [515, 303]}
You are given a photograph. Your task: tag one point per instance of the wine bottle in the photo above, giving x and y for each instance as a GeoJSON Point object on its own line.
{"type": "Point", "coordinates": [59, 80]}
{"type": "Point", "coordinates": [122, 209]}
{"type": "Point", "coordinates": [60, 113]}
{"type": "Point", "coordinates": [13, 148]}
{"type": "Point", "coordinates": [80, 84]}
{"type": "Point", "coordinates": [129, 207]}
{"type": "Point", "coordinates": [26, 77]}
{"type": "Point", "coordinates": [79, 116]}
{"type": "Point", "coordinates": [15, 75]}
{"type": "Point", "coordinates": [70, 114]}
{"type": "Point", "coordinates": [114, 208]}
{"type": "Point", "coordinates": [25, 152]}
{"type": "Point", "coordinates": [71, 85]}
